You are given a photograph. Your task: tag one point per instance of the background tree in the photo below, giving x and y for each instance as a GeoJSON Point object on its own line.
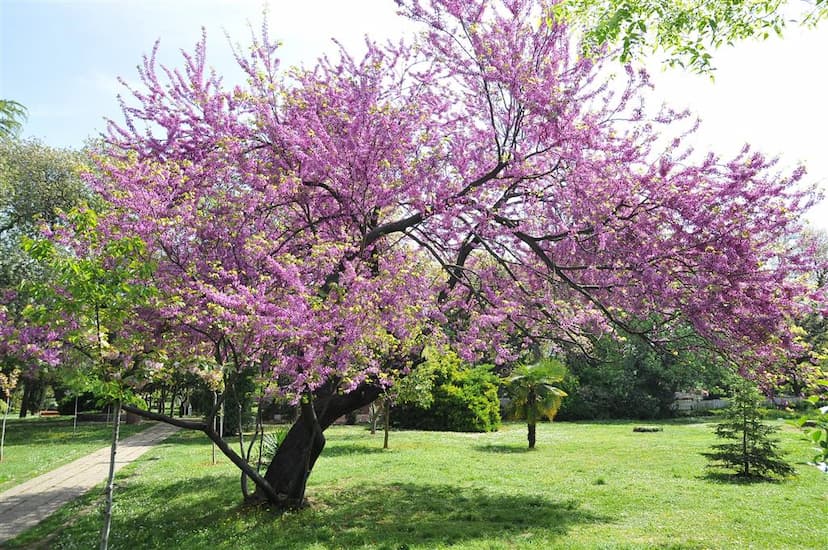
{"type": "Point", "coordinates": [7, 385]}
{"type": "Point", "coordinates": [800, 375]}
{"type": "Point", "coordinates": [37, 184]}
{"type": "Point", "coordinates": [534, 394]}
{"type": "Point", "coordinates": [415, 389]}
{"type": "Point", "coordinates": [89, 299]}
{"type": "Point", "coordinates": [632, 377]}
{"type": "Point", "coordinates": [753, 452]}
{"type": "Point", "coordinates": [685, 31]}
{"type": "Point", "coordinates": [12, 116]}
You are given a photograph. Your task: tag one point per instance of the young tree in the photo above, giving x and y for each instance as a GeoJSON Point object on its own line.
{"type": "Point", "coordinates": [534, 395]}
{"type": "Point", "coordinates": [93, 289]}
{"type": "Point", "coordinates": [415, 389]}
{"type": "Point", "coordinates": [482, 187]}
{"type": "Point", "coordinates": [753, 452]}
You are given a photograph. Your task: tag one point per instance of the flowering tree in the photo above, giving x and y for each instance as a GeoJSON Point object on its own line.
{"type": "Point", "coordinates": [482, 187]}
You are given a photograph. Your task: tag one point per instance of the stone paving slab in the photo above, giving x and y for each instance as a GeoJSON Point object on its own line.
{"type": "Point", "coordinates": [27, 504]}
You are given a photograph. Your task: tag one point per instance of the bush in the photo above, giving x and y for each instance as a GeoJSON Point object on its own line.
{"type": "Point", "coordinates": [464, 399]}
{"type": "Point", "coordinates": [86, 402]}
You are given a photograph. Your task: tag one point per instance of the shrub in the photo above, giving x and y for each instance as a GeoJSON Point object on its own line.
{"type": "Point", "coordinates": [464, 398]}
{"type": "Point", "coordinates": [86, 402]}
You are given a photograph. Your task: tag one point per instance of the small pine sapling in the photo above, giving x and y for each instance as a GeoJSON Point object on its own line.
{"type": "Point", "coordinates": [752, 452]}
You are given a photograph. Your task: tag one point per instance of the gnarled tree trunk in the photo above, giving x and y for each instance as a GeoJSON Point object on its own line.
{"type": "Point", "coordinates": [289, 470]}
{"type": "Point", "coordinates": [286, 478]}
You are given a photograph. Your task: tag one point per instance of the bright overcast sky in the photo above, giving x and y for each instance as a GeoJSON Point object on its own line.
{"type": "Point", "coordinates": [61, 58]}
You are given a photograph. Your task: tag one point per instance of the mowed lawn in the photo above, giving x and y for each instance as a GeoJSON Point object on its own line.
{"type": "Point", "coordinates": [36, 445]}
{"type": "Point", "coordinates": [587, 485]}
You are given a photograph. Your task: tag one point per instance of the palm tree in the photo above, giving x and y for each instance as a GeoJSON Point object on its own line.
{"type": "Point", "coordinates": [533, 394]}
{"type": "Point", "coordinates": [12, 115]}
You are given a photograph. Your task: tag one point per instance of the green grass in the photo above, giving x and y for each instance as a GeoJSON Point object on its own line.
{"type": "Point", "coordinates": [36, 445]}
{"type": "Point", "coordinates": [587, 485]}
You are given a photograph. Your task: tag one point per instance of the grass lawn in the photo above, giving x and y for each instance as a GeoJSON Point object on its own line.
{"type": "Point", "coordinates": [587, 485]}
{"type": "Point", "coordinates": [36, 445]}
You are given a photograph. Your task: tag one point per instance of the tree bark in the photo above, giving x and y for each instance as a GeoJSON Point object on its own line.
{"type": "Point", "coordinates": [288, 472]}
{"type": "Point", "coordinates": [24, 403]}
{"type": "Point", "coordinates": [374, 417]}
{"type": "Point", "coordinates": [162, 400]}
{"type": "Point", "coordinates": [531, 404]}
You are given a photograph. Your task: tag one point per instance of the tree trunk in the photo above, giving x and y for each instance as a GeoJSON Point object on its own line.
{"type": "Point", "coordinates": [746, 462]}
{"type": "Point", "coordinates": [110, 481]}
{"type": "Point", "coordinates": [294, 460]}
{"type": "Point", "coordinates": [387, 419]}
{"type": "Point", "coordinates": [24, 402]}
{"type": "Point", "coordinates": [284, 482]}
{"type": "Point", "coordinates": [374, 416]}
{"type": "Point", "coordinates": [215, 402]}
{"type": "Point", "coordinates": [531, 404]}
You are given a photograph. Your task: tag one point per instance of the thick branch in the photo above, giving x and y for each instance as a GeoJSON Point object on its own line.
{"type": "Point", "coordinates": [186, 424]}
{"type": "Point", "coordinates": [242, 464]}
{"type": "Point", "coordinates": [392, 227]}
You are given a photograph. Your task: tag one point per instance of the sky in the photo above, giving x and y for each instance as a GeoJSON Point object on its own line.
{"type": "Point", "coordinates": [62, 59]}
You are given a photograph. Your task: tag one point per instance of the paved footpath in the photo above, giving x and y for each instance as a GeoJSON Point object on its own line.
{"type": "Point", "coordinates": [25, 505]}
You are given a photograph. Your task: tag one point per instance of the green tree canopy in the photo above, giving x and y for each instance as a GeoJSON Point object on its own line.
{"type": "Point", "coordinates": [686, 31]}
{"type": "Point", "coordinates": [37, 184]}
{"type": "Point", "coordinates": [12, 115]}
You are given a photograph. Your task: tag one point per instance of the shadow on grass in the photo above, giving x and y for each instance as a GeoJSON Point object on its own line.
{"type": "Point", "coordinates": [514, 449]}
{"type": "Point", "coordinates": [57, 432]}
{"type": "Point", "coordinates": [349, 450]}
{"type": "Point", "coordinates": [737, 479]}
{"type": "Point", "coordinates": [207, 512]}
{"type": "Point", "coordinates": [429, 515]}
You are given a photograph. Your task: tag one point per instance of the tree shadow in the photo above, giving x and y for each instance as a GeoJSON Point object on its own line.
{"type": "Point", "coordinates": [349, 450]}
{"type": "Point", "coordinates": [512, 449]}
{"type": "Point", "coordinates": [393, 515]}
{"type": "Point", "coordinates": [737, 479]}
{"type": "Point", "coordinates": [60, 432]}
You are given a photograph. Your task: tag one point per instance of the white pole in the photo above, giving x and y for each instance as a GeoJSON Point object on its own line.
{"type": "Point", "coordinates": [3, 436]}
{"type": "Point", "coordinates": [75, 421]}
